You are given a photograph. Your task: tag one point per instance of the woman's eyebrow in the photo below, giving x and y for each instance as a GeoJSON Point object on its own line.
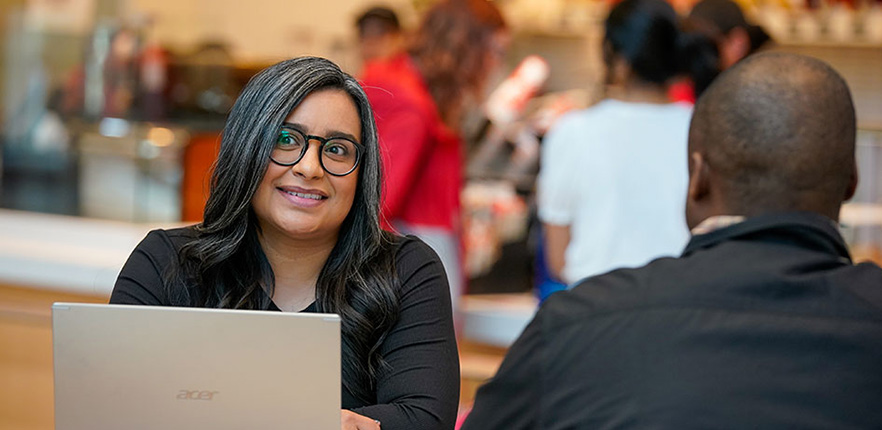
{"type": "Point", "coordinates": [334, 134]}
{"type": "Point", "coordinates": [291, 125]}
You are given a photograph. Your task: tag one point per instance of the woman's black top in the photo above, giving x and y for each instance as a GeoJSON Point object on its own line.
{"type": "Point", "coordinates": [420, 387]}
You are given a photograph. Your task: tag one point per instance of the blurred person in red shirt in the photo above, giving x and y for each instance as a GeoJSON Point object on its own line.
{"type": "Point", "coordinates": [419, 98]}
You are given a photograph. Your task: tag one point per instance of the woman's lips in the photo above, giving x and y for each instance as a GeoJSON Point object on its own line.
{"type": "Point", "coordinates": [303, 197]}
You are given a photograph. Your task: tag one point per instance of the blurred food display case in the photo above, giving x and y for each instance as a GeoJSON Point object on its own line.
{"type": "Point", "coordinates": [131, 171]}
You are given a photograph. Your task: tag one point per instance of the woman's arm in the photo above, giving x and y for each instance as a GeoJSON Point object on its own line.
{"type": "Point", "coordinates": [557, 238]}
{"type": "Point", "coordinates": [351, 421]}
{"type": "Point", "coordinates": [420, 387]}
{"type": "Point", "coordinates": [556, 199]}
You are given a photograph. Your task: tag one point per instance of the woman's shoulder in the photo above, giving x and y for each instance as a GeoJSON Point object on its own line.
{"type": "Point", "coordinates": [419, 271]}
{"type": "Point", "coordinates": [143, 278]}
{"type": "Point", "coordinates": [583, 120]}
{"type": "Point", "coordinates": [410, 247]}
{"type": "Point", "coordinates": [164, 240]}
{"type": "Point", "coordinates": [413, 257]}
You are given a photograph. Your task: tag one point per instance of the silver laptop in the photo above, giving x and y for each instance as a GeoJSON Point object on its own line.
{"type": "Point", "coordinates": [142, 367]}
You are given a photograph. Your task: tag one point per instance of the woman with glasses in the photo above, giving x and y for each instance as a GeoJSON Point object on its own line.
{"type": "Point", "coordinates": [292, 225]}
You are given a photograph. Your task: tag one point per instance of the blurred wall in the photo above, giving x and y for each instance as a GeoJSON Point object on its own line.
{"type": "Point", "coordinates": [264, 30]}
{"type": "Point", "coordinates": [6, 9]}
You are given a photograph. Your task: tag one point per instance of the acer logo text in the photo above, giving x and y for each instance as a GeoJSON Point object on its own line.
{"type": "Point", "coordinates": [196, 395]}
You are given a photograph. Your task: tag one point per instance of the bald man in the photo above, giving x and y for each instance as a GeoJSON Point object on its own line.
{"type": "Point", "coordinates": [764, 322]}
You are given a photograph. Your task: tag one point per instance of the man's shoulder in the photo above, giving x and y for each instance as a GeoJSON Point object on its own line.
{"type": "Point", "coordinates": [617, 291]}
{"type": "Point", "coordinates": [731, 278]}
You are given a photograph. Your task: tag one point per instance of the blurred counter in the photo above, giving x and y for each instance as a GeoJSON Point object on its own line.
{"type": "Point", "coordinates": [84, 256]}
{"type": "Point", "coordinates": [64, 253]}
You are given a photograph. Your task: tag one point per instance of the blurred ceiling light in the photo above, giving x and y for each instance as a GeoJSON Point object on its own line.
{"type": "Point", "coordinates": [161, 136]}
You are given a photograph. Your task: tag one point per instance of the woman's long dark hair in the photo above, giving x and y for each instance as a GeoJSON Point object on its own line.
{"type": "Point", "coordinates": [451, 48]}
{"type": "Point", "coordinates": [648, 35]}
{"type": "Point", "coordinates": [224, 266]}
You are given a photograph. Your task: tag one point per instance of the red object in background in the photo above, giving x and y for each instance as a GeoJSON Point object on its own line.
{"type": "Point", "coordinates": [682, 91]}
{"type": "Point", "coordinates": [153, 81]}
{"type": "Point", "coordinates": [199, 157]}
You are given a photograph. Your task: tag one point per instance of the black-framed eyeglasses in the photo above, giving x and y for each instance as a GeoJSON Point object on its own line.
{"type": "Point", "coordinates": [339, 156]}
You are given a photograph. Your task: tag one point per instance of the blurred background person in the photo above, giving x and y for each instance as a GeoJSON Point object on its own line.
{"type": "Point", "coordinates": [613, 177]}
{"type": "Point", "coordinates": [380, 35]}
{"type": "Point", "coordinates": [419, 98]}
{"type": "Point", "coordinates": [106, 84]}
{"type": "Point", "coordinates": [724, 21]}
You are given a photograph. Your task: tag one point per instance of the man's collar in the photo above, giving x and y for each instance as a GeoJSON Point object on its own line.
{"type": "Point", "coordinates": [814, 230]}
{"type": "Point", "coordinates": [715, 223]}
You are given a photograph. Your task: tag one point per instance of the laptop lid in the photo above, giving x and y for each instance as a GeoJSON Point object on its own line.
{"type": "Point", "coordinates": [142, 367]}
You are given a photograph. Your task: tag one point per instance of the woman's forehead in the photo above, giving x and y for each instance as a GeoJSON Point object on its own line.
{"type": "Point", "coordinates": [326, 112]}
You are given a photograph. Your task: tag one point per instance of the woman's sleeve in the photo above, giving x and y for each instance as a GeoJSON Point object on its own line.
{"type": "Point", "coordinates": [420, 388]}
{"type": "Point", "coordinates": [141, 280]}
{"type": "Point", "coordinates": [554, 184]}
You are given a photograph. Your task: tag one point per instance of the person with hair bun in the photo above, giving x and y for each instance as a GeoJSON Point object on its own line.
{"type": "Point", "coordinates": [613, 177]}
{"type": "Point", "coordinates": [292, 224]}
{"type": "Point", "coordinates": [419, 98]}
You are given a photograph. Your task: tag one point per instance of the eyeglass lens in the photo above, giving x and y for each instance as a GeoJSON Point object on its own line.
{"type": "Point", "coordinates": [339, 156]}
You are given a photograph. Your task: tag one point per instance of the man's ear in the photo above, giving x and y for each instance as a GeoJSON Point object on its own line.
{"type": "Point", "coordinates": [852, 184]}
{"type": "Point", "coordinates": [698, 193]}
{"type": "Point", "coordinates": [699, 176]}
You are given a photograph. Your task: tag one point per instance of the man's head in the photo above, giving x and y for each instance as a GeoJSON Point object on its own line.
{"type": "Point", "coordinates": [774, 133]}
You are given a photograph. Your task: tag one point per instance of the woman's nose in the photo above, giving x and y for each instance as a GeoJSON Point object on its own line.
{"type": "Point", "coordinates": [309, 166]}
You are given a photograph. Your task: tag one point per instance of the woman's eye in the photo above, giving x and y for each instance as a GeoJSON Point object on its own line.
{"type": "Point", "coordinates": [339, 149]}
{"type": "Point", "coordinates": [336, 149]}
{"type": "Point", "coordinates": [287, 139]}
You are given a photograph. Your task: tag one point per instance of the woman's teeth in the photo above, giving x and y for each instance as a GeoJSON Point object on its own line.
{"type": "Point", "coordinates": [305, 196]}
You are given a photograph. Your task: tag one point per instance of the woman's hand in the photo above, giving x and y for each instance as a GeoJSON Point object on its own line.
{"type": "Point", "coordinates": [351, 421]}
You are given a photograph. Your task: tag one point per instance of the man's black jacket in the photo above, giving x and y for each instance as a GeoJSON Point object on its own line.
{"type": "Point", "coordinates": [763, 324]}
